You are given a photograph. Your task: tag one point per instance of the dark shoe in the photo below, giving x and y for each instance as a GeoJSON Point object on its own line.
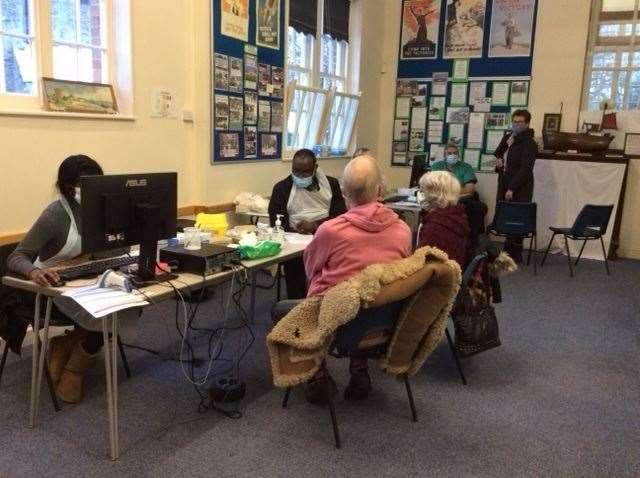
{"type": "Point", "coordinates": [316, 390]}
{"type": "Point", "coordinates": [359, 386]}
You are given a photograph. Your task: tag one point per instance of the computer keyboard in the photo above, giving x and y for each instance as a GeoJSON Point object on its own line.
{"type": "Point", "coordinates": [94, 268]}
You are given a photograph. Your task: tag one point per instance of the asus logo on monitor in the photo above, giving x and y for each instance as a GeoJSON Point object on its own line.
{"type": "Point", "coordinates": [136, 183]}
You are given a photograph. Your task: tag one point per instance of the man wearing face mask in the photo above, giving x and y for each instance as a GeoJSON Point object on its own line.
{"type": "Point", "coordinates": [516, 156]}
{"type": "Point", "coordinates": [305, 199]}
{"type": "Point", "coordinates": [462, 171]}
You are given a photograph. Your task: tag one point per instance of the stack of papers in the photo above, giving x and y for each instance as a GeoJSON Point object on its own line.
{"type": "Point", "coordinates": [101, 301]}
{"type": "Point", "coordinates": [295, 238]}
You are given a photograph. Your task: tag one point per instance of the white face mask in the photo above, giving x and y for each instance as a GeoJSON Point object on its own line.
{"type": "Point", "coordinates": [77, 196]}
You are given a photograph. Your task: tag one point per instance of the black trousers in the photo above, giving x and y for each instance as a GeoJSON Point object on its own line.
{"type": "Point", "coordinates": [295, 278]}
{"type": "Point", "coordinates": [513, 245]}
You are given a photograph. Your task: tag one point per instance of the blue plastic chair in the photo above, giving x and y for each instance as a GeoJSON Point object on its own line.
{"type": "Point", "coordinates": [517, 219]}
{"type": "Point", "coordinates": [590, 225]}
{"type": "Point", "coordinates": [366, 336]}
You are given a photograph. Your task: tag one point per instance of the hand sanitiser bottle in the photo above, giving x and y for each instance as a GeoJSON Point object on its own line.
{"type": "Point", "coordinates": [278, 230]}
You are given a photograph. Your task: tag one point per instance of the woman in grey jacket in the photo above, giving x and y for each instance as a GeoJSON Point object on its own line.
{"type": "Point", "coordinates": [53, 239]}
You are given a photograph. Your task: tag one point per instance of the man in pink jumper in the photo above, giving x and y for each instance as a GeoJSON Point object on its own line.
{"type": "Point", "coordinates": [368, 233]}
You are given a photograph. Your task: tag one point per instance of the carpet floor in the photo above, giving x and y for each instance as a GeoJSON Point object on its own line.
{"type": "Point", "coordinates": [560, 397]}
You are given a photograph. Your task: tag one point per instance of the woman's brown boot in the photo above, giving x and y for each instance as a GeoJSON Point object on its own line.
{"type": "Point", "coordinates": [69, 388]}
{"type": "Point", "coordinates": [60, 349]}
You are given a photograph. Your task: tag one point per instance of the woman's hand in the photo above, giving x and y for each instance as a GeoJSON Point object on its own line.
{"type": "Point", "coordinates": [44, 277]}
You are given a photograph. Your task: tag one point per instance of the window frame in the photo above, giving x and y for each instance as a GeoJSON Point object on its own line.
{"type": "Point", "coordinates": [613, 44]}
{"type": "Point", "coordinates": [316, 79]}
{"type": "Point", "coordinates": [118, 63]}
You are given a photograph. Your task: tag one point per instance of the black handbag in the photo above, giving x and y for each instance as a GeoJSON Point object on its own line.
{"type": "Point", "coordinates": [475, 321]}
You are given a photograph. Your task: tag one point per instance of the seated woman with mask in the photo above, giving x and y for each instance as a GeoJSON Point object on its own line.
{"type": "Point", "coordinates": [462, 171]}
{"type": "Point", "coordinates": [305, 199]}
{"type": "Point", "coordinates": [444, 224]}
{"type": "Point", "coordinates": [54, 239]}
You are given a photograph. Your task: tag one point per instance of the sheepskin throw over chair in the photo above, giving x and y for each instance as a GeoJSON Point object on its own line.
{"type": "Point", "coordinates": [429, 281]}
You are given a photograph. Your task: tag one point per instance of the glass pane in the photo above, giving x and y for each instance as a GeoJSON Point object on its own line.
{"type": "Point", "coordinates": [600, 88]}
{"type": "Point", "coordinates": [300, 49]}
{"type": "Point", "coordinates": [63, 20]}
{"type": "Point", "coordinates": [90, 65]}
{"type": "Point", "coordinates": [620, 88]}
{"type": "Point", "coordinates": [15, 16]}
{"type": "Point", "coordinates": [316, 116]}
{"type": "Point", "coordinates": [329, 54]}
{"type": "Point", "coordinates": [65, 62]}
{"type": "Point", "coordinates": [636, 58]}
{"type": "Point", "coordinates": [624, 59]}
{"type": "Point", "coordinates": [293, 118]}
{"type": "Point", "coordinates": [301, 77]}
{"type": "Point", "coordinates": [633, 96]}
{"type": "Point", "coordinates": [19, 65]}
{"type": "Point", "coordinates": [91, 22]}
{"type": "Point", "coordinates": [604, 59]}
{"type": "Point", "coordinates": [618, 5]}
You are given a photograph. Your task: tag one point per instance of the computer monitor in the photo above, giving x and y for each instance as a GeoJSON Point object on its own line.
{"type": "Point", "coordinates": [418, 169]}
{"type": "Point", "coordinates": [128, 209]}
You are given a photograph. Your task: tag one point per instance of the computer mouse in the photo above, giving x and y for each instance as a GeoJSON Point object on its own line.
{"type": "Point", "coordinates": [58, 283]}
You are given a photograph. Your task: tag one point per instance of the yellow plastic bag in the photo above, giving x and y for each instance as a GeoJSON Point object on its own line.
{"type": "Point", "coordinates": [217, 223]}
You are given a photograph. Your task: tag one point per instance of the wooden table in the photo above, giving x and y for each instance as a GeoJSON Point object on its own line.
{"type": "Point", "coordinates": [154, 293]}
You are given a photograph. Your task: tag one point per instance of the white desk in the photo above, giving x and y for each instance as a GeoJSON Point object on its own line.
{"type": "Point", "coordinates": [155, 294]}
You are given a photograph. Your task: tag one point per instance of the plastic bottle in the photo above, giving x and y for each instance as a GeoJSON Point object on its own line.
{"type": "Point", "coordinates": [278, 230]}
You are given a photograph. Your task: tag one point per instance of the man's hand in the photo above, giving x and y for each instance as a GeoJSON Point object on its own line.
{"type": "Point", "coordinates": [44, 277]}
{"type": "Point", "coordinates": [509, 195]}
{"type": "Point", "coordinates": [306, 227]}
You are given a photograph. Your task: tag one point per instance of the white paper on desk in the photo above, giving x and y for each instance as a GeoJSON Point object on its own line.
{"type": "Point", "coordinates": [100, 301]}
{"type": "Point", "coordinates": [295, 238]}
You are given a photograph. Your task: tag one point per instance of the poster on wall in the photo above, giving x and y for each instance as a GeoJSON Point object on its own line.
{"type": "Point", "coordinates": [250, 72]}
{"type": "Point", "coordinates": [229, 145]}
{"type": "Point", "coordinates": [420, 23]}
{"type": "Point", "coordinates": [464, 29]}
{"type": "Point", "coordinates": [234, 21]}
{"type": "Point", "coordinates": [221, 72]}
{"type": "Point", "coordinates": [268, 23]}
{"type": "Point", "coordinates": [221, 108]}
{"type": "Point", "coordinates": [236, 113]}
{"type": "Point", "coordinates": [250, 107]}
{"type": "Point", "coordinates": [511, 28]}
{"type": "Point", "coordinates": [269, 144]}
{"type": "Point", "coordinates": [250, 142]}
{"type": "Point", "coordinates": [277, 117]}
{"type": "Point", "coordinates": [235, 74]}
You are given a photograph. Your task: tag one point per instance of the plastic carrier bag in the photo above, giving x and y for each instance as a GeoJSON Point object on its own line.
{"type": "Point", "coordinates": [260, 250]}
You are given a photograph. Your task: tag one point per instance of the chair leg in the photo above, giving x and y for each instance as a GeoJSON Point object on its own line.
{"type": "Point", "coordinates": [535, 254]}
{"type": "Point", "coordinates": [332, 408]}
{"type": "Point", "coordinates": [604, 254]}
{"type": "Point", "coordinates": [285, 399]}
{"type": "Point", "coordinates": [414, 415]}
{"type": "Point", "coordinates": [455, 357]}
{"type": "Point", "coordinates": [547, 251]}
{"type": "Point", "coordinates": [3, 360]}
{"type": "Point", "coordinates": [52, 389]}
{"type": "Point", "coordinates": [123, 356]}
{"type": "Point", "coordinates": [278, 282]}
{"type": "Point", "coordinates": [566, 245]}
{"type": "Point", "coordinates": [581, 251]}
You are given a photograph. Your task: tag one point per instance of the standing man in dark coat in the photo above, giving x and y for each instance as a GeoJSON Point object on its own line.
{"type": "Point", "coordinates": [305, 199]}
{"type": "Point", "coordinates": [516, 156]}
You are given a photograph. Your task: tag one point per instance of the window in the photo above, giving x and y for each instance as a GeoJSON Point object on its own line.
{"type": "Point", "coordinates": [17, 56]}
{"type": "Point", "coordinates": [79, 40]}
{"type": "Point", "coordinates": [79, 35]}
{"type": "Point", "coordinates": [322, 103]}
{"type": "Point", "coordinates": [613, 67]}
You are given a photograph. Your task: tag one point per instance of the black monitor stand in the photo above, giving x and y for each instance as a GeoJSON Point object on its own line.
{"type": "Point", "coordinates": [150, 224]}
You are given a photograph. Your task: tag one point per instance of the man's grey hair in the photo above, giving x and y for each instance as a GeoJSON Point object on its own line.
{"type": "Point", "coordinates": [362, 180]}
{"type": "Point", "coordinates": [361, 152]}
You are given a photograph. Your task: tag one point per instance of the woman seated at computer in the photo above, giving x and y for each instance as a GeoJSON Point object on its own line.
{"type": "Point", "coordinates": [53, 239]}
{"type": "Point", "coordinates": [444, 224]}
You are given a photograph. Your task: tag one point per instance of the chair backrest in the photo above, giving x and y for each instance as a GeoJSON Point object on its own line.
{"type": "Point", "coordinates": [515, 218]}
{"type": "Point", "coordinates": [368, 334]}
{"type": "Point", "coordinates": [592, 217]}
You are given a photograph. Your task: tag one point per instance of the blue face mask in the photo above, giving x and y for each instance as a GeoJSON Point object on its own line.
{"type": "Point", "coordinates": [518, 128]}
{"type": "Point", "coordinates": [452, 159]}
{"type": "Point", "coordinates": [302, 183]}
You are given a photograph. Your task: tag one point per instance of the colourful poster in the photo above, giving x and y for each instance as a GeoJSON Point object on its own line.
{"type": "Point", "coordinates": [234, 19]}
{"type": "Point", "coordinates": [268, 23]}
{"type": "Point", "coordinates": [420, 23]}
{"type": "Point", "coordinates": [464, 30]}
{"type": "Point", "coordinates": [511, 28]}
